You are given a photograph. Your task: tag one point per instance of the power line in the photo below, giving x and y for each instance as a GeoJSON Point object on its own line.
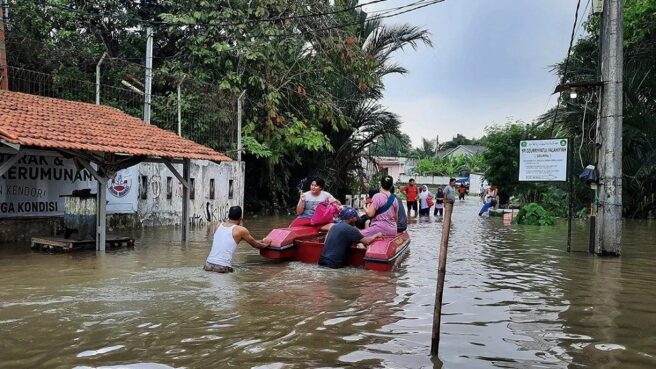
{"type": "Point", "coordinates": [276, 19]}
{"type": "Point", "coordinates": [583, 15]}
{"type": "Point", "coordinates": [569, 51]}
{"type": "Point", "coordinates": [413, 7]}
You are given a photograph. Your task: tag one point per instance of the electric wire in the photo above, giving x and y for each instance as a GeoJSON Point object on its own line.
{"type": "Point", "coordinates": [569, 51]}
{"type": "Point", "coordinates": [585, 110]}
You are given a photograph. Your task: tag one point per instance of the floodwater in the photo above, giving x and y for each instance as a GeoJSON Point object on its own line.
{"type": "Point", "coordinates": [513, 299]}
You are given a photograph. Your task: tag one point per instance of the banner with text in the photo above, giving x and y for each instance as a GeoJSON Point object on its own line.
{"type": "Point", "coordinates": [32, 187]}
{"type": "Point", "coordinates": [543, 160]}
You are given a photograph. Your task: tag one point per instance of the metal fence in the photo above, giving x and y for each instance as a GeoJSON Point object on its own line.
{"type": "Point", "coordinates": [206, 115]}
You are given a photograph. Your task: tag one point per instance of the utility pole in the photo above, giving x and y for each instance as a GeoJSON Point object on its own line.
{"type": "Point", "coordinates": [102, 58]}
{"type": "Point", "coordinates": [240, 100]}
{"type": "Point", "coordinates": [149, 75]}
{"type": "Point", "coordinates": [180, 106]}
{"type": "Point", "coordinates": [609, 216]}
{"type": "Point", "coordinates": [4, 68]}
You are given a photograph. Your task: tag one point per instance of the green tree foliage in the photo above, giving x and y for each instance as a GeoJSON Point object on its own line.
{"type": "Point", "coordinates": [312, 82]}
{"type": "Point", "coordinates": [426, 150]}
{"type": "Point", "coordinates": [452, 166]}
{"type": "Point", "coordinates": [639, 115]}
{"type": "Point", "coordinates": [458, 140]}
{"type": "Point", "coordinates": [392, 145]}
{"type": "Point", "coordinates": [502, 158]}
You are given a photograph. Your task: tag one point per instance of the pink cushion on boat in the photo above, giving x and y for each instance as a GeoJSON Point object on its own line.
{"type": "Point", "coordinates": [386, 247]}
{"type": "Point", "coordinates": [286, 236]}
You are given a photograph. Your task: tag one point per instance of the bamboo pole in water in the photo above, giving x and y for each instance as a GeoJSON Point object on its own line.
{"type": "Point", "coordinates": [441, 272]}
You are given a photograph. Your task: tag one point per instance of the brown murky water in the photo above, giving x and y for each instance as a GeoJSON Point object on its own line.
{"type": "Point", "coordinates": [514, 299]}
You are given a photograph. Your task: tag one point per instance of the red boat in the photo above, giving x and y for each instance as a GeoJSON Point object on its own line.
{"type": "Point", "coordinates": [305, 244]}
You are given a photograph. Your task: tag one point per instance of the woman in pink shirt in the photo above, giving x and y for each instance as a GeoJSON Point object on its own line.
{"type": "Point", "coordinates": [383, 220]}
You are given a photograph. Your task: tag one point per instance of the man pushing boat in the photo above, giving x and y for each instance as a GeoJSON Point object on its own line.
{"type": "Point", "coordinates": [340, 237]}
{"type": "Point", "coordinates": [226, 238]}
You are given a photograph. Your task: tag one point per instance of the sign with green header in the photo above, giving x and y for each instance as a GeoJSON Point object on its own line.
{"type": "Point", "coordinates": [543, 160]}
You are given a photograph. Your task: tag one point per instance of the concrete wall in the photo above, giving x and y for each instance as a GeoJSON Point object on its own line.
{"type": "Point", "coordinates": [23, 229]}
{"type": "Point", "coordinates": [155, 207]}
{"type": "Point", "coordinates": [475, 181]}
{"type": "Point", "coordinates": [161, 204]}
{"type": "Point", "coordinates": [425, 180]}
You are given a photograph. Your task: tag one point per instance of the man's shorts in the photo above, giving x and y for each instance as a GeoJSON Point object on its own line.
{"type": "Point", "coordinates": [217, 268]}
{"type": "Point", "coordinates": [412, 205]}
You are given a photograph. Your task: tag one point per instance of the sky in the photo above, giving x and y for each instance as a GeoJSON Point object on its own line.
{"type": "Point", "coordinates": [490, 63]}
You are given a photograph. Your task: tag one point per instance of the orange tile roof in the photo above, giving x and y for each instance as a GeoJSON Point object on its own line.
{"type": "Point", "coordinates": [50, 123]}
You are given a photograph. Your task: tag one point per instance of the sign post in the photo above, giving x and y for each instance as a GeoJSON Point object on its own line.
{"type": "Point", "coordinates": [543, 160]}
{"type": "Point", "coordinates": [548, 161]}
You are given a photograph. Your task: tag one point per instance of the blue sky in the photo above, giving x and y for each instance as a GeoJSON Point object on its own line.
{"type": "Point", "coordinates": [490, 62]}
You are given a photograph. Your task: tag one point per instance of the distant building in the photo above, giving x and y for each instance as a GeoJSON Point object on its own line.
{"type": "Point", "coordinates": [395, 166]}
{"type": "Point", "coordinates": [461, 150]}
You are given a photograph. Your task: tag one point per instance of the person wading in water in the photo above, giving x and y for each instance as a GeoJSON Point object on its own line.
{"type": "Point", "coordinates": [226, 238]}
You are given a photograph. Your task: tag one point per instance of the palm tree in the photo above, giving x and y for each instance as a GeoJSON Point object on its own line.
{"type": "Point", "coordinates": [370, 120]}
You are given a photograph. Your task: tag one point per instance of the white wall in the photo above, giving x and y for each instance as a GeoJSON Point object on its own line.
{"type": "Point", "coordinates": [475, 181]}
{"type": "Point", "coordinates": [157, 209]}
{"type": "Point", "coordinates": [425, 180]}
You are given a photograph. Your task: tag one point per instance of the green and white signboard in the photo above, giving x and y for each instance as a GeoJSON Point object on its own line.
{"type": "Point", "coordinates": [543, 160]}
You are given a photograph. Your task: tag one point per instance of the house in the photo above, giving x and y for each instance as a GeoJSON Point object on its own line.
{"type": "Point", "coordinates": [395, 166]}
{"type": "Point", "coordinates": [461, 150]}
{"type": "Point", "coordinates": [50, 147]}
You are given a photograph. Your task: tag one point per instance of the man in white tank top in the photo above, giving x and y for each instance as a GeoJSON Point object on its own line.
{"type": "Point", "coordinates": [226, 238]}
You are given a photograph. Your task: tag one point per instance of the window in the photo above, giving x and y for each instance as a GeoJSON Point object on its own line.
{"type": "Point", "coordinates": [230, 189]}
{"type": "Point", "coordinates": [143, 189]}
{"type": "Point", "coordinates": [211, 188]}
{"type": "Point", "coordinates": [169, 187]}
{"type": "Point", "coordinates": [192, 190]}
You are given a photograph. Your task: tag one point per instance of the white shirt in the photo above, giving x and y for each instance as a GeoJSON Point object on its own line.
{"type": "Point", "coordinates": [223, 246]}
{"type": "Point", "coordinates": [423, 196]}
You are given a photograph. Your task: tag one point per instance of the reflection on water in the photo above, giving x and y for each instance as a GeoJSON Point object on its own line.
{"type": "Point", "coordinates": [513, 299]}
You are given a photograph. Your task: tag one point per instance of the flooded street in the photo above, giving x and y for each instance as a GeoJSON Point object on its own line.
{"type": "Point", "coordinates": [513, 299]}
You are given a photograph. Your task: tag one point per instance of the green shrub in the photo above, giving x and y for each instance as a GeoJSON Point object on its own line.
{"type": "Point", "coordinates": [554, 201]}
{"type": "Point", "coordinates": [534, 214]}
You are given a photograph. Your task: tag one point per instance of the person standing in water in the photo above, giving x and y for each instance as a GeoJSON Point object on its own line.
{"type": "Point", "coordinates": [225, 241]}
{"type": "Point", "coordinates": [425, 199]}
{"type": "Point", "coordinates": [340, 237]}
{"type": "Point", "coordinates": [490, 197]}
{"type": "Point", "coordinates": [411, 193]}
{"type": "Point", "coordinates": [450, 191]}
{"type": "Point", "coordinates": [439, 202]}
{"type": "Point", "coordinates": [461, 192]}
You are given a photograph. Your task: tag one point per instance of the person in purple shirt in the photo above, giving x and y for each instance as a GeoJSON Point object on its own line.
{"type": "Point", "coordinates": [382, 210]}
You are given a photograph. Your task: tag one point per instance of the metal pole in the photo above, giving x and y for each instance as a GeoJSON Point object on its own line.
{"type": "Point", "coordinates": [101, 216]}
{"type": "Point", "coordinates": [102, 58]}
{"type": "Point", "coordinates": [149, 74]}
{"type": "Point", "coordinates": [180, 106]}
{"type": "Point", "coordinates": [4, 68]}
{"type": "Point", "coordinates": [441, 273]}
{"type": "Point", "coordinates": [185, 198]}
{"type": "Point", "coordinates": [239, 113]}
{"type": "Point", "coordinates": [609, 217]}
{"type": "Point", "coordinates": [570, 195]}
{"type": "Point", "coordinates": [5, 8]}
